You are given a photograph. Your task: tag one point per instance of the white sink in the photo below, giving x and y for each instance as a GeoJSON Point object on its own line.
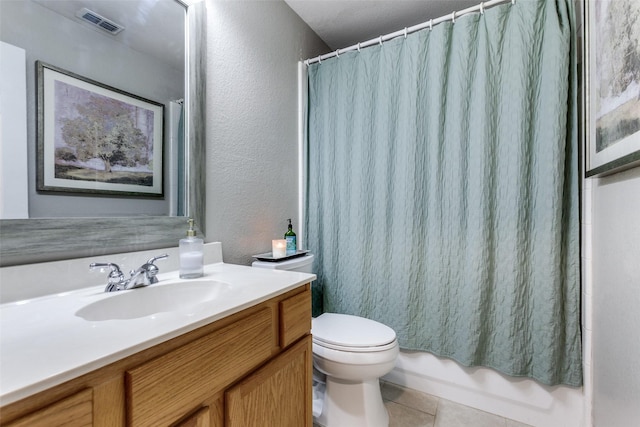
{"type": "Point", "coordinates": [178, 297]}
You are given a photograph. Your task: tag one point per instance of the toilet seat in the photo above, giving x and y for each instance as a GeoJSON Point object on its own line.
{"type": "Point", "coordinates": [344, 332]}
{"type": "Point", "coordinates": [373, 349]}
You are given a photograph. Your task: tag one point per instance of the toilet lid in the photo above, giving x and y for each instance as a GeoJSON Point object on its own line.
{"type": "Point", "coordinates": [350, 331]}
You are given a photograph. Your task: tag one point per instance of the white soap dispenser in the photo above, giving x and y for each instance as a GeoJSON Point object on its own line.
{"type": "Point", "coordinates": [191, 254]}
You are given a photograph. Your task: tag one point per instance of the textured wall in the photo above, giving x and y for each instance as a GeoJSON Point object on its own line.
{"type": "Point", "coordinates": [616, 300]}
{"type": "Point", "coordinates": [252, 149]}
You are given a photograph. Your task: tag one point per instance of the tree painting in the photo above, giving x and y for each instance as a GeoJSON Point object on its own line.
{"type": "Point", "coordinates": [99, 138]}
{"type": "Point", "coordinates": [617, 71]}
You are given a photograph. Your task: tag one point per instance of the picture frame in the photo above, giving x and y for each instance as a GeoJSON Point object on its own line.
{"type": "Point", "coordinates": [612, 83]}
{"type": "Point", "coordinates": [95, 139]}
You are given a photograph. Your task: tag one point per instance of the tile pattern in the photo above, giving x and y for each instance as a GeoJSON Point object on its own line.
{"type": "Point", "coordinates": [411, 408]}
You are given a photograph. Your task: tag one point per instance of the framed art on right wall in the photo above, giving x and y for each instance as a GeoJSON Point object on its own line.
{"type": "Point", "coordinates": [613, 85]}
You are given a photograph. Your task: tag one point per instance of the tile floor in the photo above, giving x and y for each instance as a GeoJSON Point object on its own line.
{"type": "Point", "coordinates": [410, 408]}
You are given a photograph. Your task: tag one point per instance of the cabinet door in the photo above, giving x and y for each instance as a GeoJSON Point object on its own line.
{"type": "Point", "coordinates": [276, 395]}
{"type": "Point", "coordinates": [201, 418]}
{"type": "Point", "coordinates": [163, 390]}
{"type": "Point", "coordinates": [74, 411]}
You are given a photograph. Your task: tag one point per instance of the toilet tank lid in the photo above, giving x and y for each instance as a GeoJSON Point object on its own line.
{"type": "Point", "coordinates": [351, 331]}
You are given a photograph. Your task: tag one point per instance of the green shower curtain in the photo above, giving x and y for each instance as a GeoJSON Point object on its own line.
{"type": "Point", "coordinates": [442, 193]}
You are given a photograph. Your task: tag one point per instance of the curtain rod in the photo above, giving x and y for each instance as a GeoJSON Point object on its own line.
{"type": "Point", "coordinates": [408, 30]}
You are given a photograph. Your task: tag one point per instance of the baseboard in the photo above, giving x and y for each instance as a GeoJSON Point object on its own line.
{"type": "Point", "coordinates": [520, 399]}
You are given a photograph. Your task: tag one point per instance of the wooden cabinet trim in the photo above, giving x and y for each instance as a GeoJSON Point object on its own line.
{"type": "Point", "coordinates": [73, 411]}
{"type": "Point", "coordinates": [201, 418]}
{"type": "Point", "coordinates": [108, 403]}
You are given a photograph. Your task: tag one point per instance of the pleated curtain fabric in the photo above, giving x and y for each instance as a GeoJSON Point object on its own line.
{"type": "Point", "coordinates": [442, 191]}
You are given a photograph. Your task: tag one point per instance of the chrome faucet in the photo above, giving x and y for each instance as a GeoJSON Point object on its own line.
{"type": "Point", "coordinates": [143, 276]}
{"type": "Point", "coordinates": [146, 274]}
{"type": "Point", "coordinates": [116, 281]}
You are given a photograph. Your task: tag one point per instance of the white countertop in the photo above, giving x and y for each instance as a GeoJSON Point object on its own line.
{"type": "Point", "coordinates": [44, 343]}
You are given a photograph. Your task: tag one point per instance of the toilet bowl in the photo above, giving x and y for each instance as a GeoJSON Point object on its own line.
{"type": "Point", "coordinates": [353, 353]}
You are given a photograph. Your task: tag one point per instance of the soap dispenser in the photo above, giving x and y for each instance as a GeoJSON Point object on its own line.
{"type": "Point", "coordinates": [290, 237]}
{"type": "Point", "coordinates": [191, 254]}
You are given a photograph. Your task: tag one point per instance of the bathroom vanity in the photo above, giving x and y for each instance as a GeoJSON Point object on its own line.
{"type": "Point", "coordinates": [242, 358]}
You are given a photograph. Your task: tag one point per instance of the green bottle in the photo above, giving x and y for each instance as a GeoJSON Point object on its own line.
{"type": "Point", "coordinates": [290, 237]}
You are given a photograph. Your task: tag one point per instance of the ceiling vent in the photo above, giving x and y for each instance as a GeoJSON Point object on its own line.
{"type": "Point", "coordinates": [99, 21]}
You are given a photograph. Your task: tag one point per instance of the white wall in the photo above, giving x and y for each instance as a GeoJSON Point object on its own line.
{"type": "Point", "coordinates": [14, 191]}
{"type": "Point", "coordinates": [252, 149]}
{"type": "Point", "coordinates": [616, 300]}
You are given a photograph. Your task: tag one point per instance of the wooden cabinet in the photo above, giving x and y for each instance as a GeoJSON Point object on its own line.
{"type": "Point", "coordinates": [252, 368]}
{"type": "Point", "coordinates": [163, 390]}
{"type": "Point", "coordinates": [274, 395]}
{"type": "Point", "coordinates": [295, 318]}
{"type": "Point", "coordinates": [74, 411]}
{"type": "Point", "coordinates": [202, 418]}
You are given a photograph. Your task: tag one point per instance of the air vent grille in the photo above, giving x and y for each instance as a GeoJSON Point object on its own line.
{"type": "Point", "coordinates": [99, 21]}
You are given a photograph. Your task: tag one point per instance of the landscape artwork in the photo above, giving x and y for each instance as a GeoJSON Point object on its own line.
{"type": "Point", "coordinates": [97, 139]}
{"type": "Point", "coordinates": [614, 79]}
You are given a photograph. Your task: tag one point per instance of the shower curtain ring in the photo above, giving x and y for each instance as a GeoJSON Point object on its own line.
{"type": "Point", "coordinates": [337, 53]}
{"type": "Point", "coordinates": [380, 40]}
{"type": "Point", "coordinates": [358, 46]}
{"type": "Point", "coordinates": [453, 17]}
{"type": "Point", "coordinates": [481, 8]}
{"type": "Point", "coordinates": [430, 24]}
{"type": "Point", "coordinates": [319, 59]}
{"type": "Point", "coordinates": [405, 32]}
{"type": "Point", "coordinates": [513, 2]}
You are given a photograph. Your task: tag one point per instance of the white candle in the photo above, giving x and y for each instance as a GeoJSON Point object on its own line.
{"type": "Point", "coordinates": [279, 248]}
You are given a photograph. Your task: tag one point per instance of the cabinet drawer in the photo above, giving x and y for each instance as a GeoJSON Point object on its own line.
{"type": "Point", "coordinates": [162, 391]}
{"type": "Point", "coordinates": [295, 318]}
{"type": "Point", "coordinates": [74, 411]}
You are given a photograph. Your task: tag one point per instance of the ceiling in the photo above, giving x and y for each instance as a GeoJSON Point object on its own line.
{"type": "Point", "coordinates": [343, 23]}
{"type": "Point", "coordinates": [153, 27]}
{"type": "Point", "coordinates": [339, 23]}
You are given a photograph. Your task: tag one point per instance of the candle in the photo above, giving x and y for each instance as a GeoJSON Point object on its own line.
{"type": "Point", "coordinates": [279, 248]}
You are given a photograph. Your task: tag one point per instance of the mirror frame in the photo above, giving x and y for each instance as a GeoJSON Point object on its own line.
{"type": "Point", "coordinates": [27, 241]}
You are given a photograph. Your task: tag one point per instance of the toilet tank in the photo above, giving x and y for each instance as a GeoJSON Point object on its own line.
{"type": "Point", "coordinates": [303, 264]}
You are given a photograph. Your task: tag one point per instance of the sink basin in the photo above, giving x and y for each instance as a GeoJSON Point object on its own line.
{"type": "Point", "coordinates": [180, 297]}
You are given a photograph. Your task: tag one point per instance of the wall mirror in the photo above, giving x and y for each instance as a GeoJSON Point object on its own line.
{"type": "Point", "coordinates": [96, 225]}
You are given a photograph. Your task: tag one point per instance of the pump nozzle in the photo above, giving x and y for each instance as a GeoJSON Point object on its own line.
{"type": "Point", "coordinates": [191, 232]}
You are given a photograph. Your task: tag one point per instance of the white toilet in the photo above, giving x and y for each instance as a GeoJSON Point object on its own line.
{"type": "Point", "coordinates": [353, 353]}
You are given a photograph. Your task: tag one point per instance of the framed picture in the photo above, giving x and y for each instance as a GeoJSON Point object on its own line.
{"type": "Point", "coordinates": [613, 85]}
{"type": "Point", "coordinates": [96, 139]}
